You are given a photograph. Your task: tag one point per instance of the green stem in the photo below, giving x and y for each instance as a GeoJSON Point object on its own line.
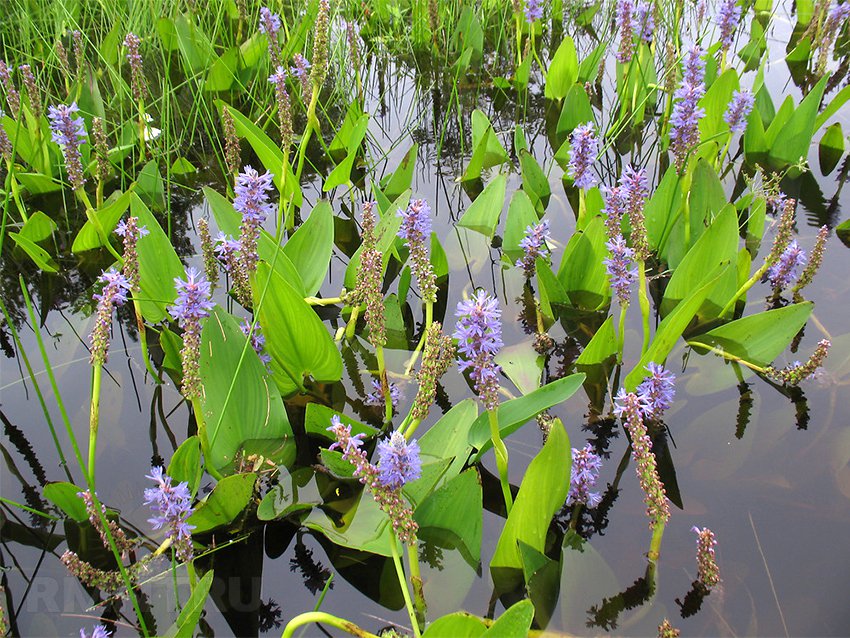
{"type": "Point", "coordinates": [757, 275]}
{"type": "Point", "coordinates": [323, 617]}
{"type": "Point", "coordinates": [429, 319]}
{"type": "Point", "coordinates": [352, 323]}
{"type": "Point", "coordinates": [385, 386]}
{"type": "Point", "coordinates": [98, 227]}
{"type": "Point", "coordinates": [621, 336]}
{"type": "Point", "coordinates": [320, 301]}
{"type": "Point", "coordinates": [94, 416]}
{"type": "Point", "coordinates": [419, 603]}
{"type": "Point", "coordinates": [643, 300]}
{"type": "Point", "coordinates": [202, 435]}
{"type": "Point", "coordinates": [581, 208]}
{"type": "Point", "coordinates": [403, 584]}
{"type": "Point", "coordinates": [501, 459]}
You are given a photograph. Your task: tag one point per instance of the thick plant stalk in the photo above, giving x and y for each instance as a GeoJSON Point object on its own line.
{"type": "Point", "coordinates": [501, 459]}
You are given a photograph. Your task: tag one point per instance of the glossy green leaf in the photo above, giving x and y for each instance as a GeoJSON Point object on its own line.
{"type": "Point", "coordinates": [483, 214]}
{"type": "Point", "coordinates": [662, 210]}
{"type": "Point", "coordinates": [159, 265]}
{"type": "Point", "coordinates": [108, 215]}
{"type": "Point", "coordinates": [186, 465]}
{"type": "Point", "coordinates": [514, 623]}
{"type": "Point", "coordinates": [187, 621]}
{"type": "Point", "coordinates": [832, 107]}
{"type": "Point", "coordinates": [582, 272]}
{"type": "Point", "coordinates": [290, 495]}
{"type": "Point", "coordinates": [363, 526]}
{"type": "Point", "coordinates": [182, 166]}
{"type": "Point", "coordinates": [759, 338]}
{"type": "Point", "coordinates": [552, 292]}
{"type": "Point", "coordinates": [228, 499]}
{"type": "Point", "coordinates": [296, 339]}
{"type": "Point", "coordinates": [37, 183]}
{"type": "Point", "coordinates": [448, 438]}
{"type": "Point", "coordinates": [588, 70]}
{"type": "Point", "coordinates": [317, 420]}
{"type": "Point", "coordinates": [402, 177]}
{"type": "Point", "coordinates": [460, 624]}
{"type": "Point", "coordinates": [717, 247]}
{"type": "Point", "coordinates": [796, 134]}
{"type": "Point", "coordinates": [311, 246]}
{"type": "Point", "coordinates": [669, 331]}
{"type": "Point", "coordinates": [64, 496]}
{"type": "Point", "coordinates": [341, 174]}
{"type": "Point", "coordinates": [563, 70]}
{"type": "Point", "coordinates": [575, 111]}
{"type": "Point", "coordinates": [451, 517]}
{"type": "Point", "coordinates": [38, 227]}
{"type": "Point", "coordinates": [150, 187]}
{"type": "Point", "coordinates": [542, 493]}
{"type": "Point", "coordinates": [40, 257]}
{"type": "Point", "coordinates": [253, 409]}
{"type": "Point", "coordinates": [534, 180]}
{"type": "Point", "coordinates": [521, 215]}
{"type": "Point", "coordinates": [487, 150]}
{"type": "Point", "coordinates": [222, 72]}
{"type": "Point", "coordinates": [831, 148]}
{"type": "Point", "coordinates": [516, 412]}
{"type": "Point", "coordinates": [601, 347]}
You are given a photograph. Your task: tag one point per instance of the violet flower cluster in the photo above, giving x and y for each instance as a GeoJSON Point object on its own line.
{"type": "Point", "coordinates": [583, 149]}
{"type": "Point", "coordinates": [284, 108]}
{"type": "Point", "coordinates": [301, 71]}
{"type": "Point", "coordinates": [624, 18]}
{"type": "Point", "coordinates": [398, 461]}
{"type": "Point", "coordinates": [629, 408]}
{"type": "Point", "coordinates": [533, 10]}
{"type": "Point", "coordinates": [633, 190]}
{"type": "Point", "coordinates": [131, 232]}
{"type": "Point", "coordinates": [739, 110]}
{"type": "Point", "coordinates": [437, 355]}
{"type": "Point", "coordinates": [97, 632]}
{"type": "Point", "coordinates": [534, 247]}
{"type": "Point", "coordinates": [171, 506]}
{"type": "Point", "coordinates": [69, 132]}
{"type": "Point", "coordinates": [402, 463]}
{"type": "Point", "coordinates": [270, 25]}
{"type": "Point", "coordinates": [786, 270]}
{"type": "Point", "coordinates": [114, 293]}
{"type": "Point", "coordinates": [619, 266]}
{"type": "Point", "coordinates": [656, 391]}
{"type": "Point", "coordinates": [192, 304]}
{"type": "Point", "coordinates": [835, 19]}
{"type": "Point", "coordinates": [252, 202]}
{"type": "Point", "coordinates": [416, 231]}
{"type": "Point", "coordinates": [684, 121]}
{"type": "Point", "coordinates": [728, 17]}
{"type": "Point", "coordinates": [5, 144]}
{"type": "Point", "coordinates": [708, 574]}
{"type": "Point", "coordinates": [479, 335]}
{"type": "Point", "coordinates": [376, 397]}
{"type": "Point", "coordinates": [585, 473]}
{"type": "Point", "coordinates": [643, 21]}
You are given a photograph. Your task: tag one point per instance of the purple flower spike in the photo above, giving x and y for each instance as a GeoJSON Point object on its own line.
{"type": "Point", "coordinates": [728, 17]}
{"type": "Point", "coordinates": [301, 71]}
{"type": "Point", "coordinates": [694, 67]}
{"type": "Point", "coordinates": [97, 632]}
{"type": "Point", "coordinates": [171, 506]}
{"type": "Point", "coordinates": [193, 304]}
{"type": "Point", "coordinates": [583, 149]}
{"type": "Point", "coordinates": [707, 571]}
{"type": "Point", "coordinates": [69, 132]}
{"type": "Point", "coordinates": [739, 110]}
{"type": "Point", "coordinates": [479, 335]}
{"type": "Point", "coordinates": [114, 293]}
{"type": "Point", "coordinates": [269, 22]}
{"type": "Point", "coordinates": [684, 121]}
{"type": "Point", "coordinates": [586, 464]}
{"type": "Point", "coordinates": [657, 391]}
{"type": "Point", "coordinates": [621, 272]}
{"type": "Point", "coordinates": [643, 21]}
{"type": "Point", "coordinates": [252, 201]}
{"type": "Point", "coordinates": [787, 269]}
{"type": "Point", "coordinates": [624, 17]}
{"type": "Point", "coordinates": [398, 461]}
{"type": "Point", "coordinates": [534, 245]}
{"type": "Point", "coordinates": [416, 231]}
{"type": "Point", "coordinates": [258, 341]}
{"type": "Point", "coordinates": [533, 10]}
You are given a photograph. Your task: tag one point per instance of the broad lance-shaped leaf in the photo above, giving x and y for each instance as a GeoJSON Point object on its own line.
{"type": "Point", "coordinates": [759, 338]}
{"type": "Point", "coordinates": [487, 150]}
{"type": "Point", "coordinates": [159, 265]}
{"type": "Point", "coordinates": [521, 215]}
{"type": "Point", "coordinates": [448, 438]}
{"type": "Point", "coordinates": [483, 214]}
{"type": "Point", "coordinates": [796, 135]}
{"type": "Point", "coordinates": [402, 177]}
{"type": "Point", "coordinates": [40, 257]}
{"type": "Point", "coordinates": [542, 493]}
{"type": "Point", "coordinates": [831, 148]}
{"type": "Point", "coordinates": [297, 340]}
{"type": "Point", "coordinates": [108, 216]}
{"type": "Point", "coordinates": [187, 621]}
{"type": "Point", "coordinates": [582, 271]}
{"type": "Point", "coordinates": [311, 246]}
{"type": "Point", "coordinates": [239, 400]}
{"type": "Point", "coordinates": [516, 412]}
{"type": "Point", "coordinates": [563, 71]}
{"type": "Point", "coordinates": [229, 220]}
{"type": "Point", "coordinates": [452, 516]}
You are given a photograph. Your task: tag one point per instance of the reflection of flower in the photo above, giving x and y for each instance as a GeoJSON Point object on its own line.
{"type": "Point", "coordinates": [376, 397]}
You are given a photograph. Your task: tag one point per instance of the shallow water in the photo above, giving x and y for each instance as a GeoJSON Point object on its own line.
{"type": "Point", "coordinates": [773, 486]}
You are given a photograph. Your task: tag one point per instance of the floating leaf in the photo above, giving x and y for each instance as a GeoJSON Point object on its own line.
{"type": "Point", "coordinates": [522, 365]}
{"type": "Point", "coordinates": [108, 216]}
{"type": "Point", "coordinates": [460, 624]}
{"type": "Point", "coordinates": [228, 499]}
{"type": "Point", "coordinates": [448, 438]}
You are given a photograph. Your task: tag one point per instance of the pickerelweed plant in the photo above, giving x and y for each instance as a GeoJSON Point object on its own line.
{"type": "Point", "coordinates": [303, 329]}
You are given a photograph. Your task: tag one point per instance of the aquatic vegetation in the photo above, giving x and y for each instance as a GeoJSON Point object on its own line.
{"type": "Point", "coordinates": [287, 203]}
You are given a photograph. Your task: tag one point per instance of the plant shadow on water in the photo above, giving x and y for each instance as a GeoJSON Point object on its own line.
{"type": "Point", "coordinates": [582, 207]}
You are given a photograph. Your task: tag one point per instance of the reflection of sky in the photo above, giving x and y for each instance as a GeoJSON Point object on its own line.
{"type": "Point", "coordinates": [776, 497]}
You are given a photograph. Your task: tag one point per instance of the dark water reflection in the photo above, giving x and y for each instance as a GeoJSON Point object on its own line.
{"type": "Point", "coordinates": [767, 469]}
